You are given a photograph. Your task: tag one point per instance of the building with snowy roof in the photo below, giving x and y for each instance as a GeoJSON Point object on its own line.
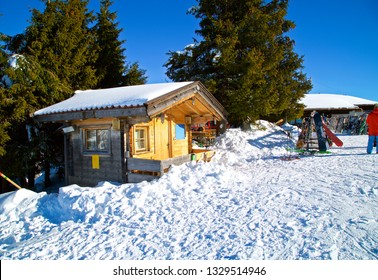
{"type": "Point", "coordinates": [330, 104]}
{"type": "Point", "coordinates": [344, 113]}
{"type": "Point", "coordinates": [133, 133]}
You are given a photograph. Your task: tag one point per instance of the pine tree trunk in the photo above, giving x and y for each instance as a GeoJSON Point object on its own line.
{"type": "Point", "coordinates": [31, 179]}
{"type": "Point", "coordinates": [246, 126]}
{"type": "Point", "coordinates": [47, 174]}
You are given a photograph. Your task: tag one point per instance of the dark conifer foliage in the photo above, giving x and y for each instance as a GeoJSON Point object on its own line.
{"type": "Point", "coordinates": [111, 67]}
{"type": "Point", "coordinates": [52, 59]}
{"type": "Point", "coordinates": [5, 101]}
{"type": "Point", "coordinates": [22, 149]}
{"type": "Point", "coordinates": [60, 40]}
{"type": "Point", "coordinates": [65, 48]}
{"type": "Point", "coordinates": [245, 58]}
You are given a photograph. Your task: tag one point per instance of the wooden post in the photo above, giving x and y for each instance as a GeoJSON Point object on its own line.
{"type": "Point", "coordinates": [10, 181]}
{"type": "Point", "coordinates": [65, 159]}
{"type": "Point", "coordinates": [126, 150]}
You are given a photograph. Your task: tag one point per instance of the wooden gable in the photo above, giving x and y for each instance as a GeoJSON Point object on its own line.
{"type": "Point", "coordinates": [193, 101]}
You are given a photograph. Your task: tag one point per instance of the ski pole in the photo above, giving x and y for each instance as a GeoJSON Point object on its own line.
{"type": "Point", "coordinates": [10, 181]}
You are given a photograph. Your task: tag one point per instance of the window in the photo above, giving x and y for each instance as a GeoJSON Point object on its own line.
{"type": "Point", "coordinates": [96, 140]}
{"type": "Point", "coordinates": [180, 132]}
{"type": "Point", "coordinates": [141, 139]}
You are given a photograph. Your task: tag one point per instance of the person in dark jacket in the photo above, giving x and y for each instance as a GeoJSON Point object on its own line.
{"type": "Point", "coordinates": [372, 122]}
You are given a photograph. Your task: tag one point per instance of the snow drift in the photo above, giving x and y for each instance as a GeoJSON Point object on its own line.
{"type": "Point", "coordinates": [246, 203]}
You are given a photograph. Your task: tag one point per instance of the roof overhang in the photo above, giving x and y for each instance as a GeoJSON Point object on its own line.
{"type": "Point", "coordinates": [192, 99]}
{"type": "Point", "coordinates": [93, 114]}
{"type": "Point", "coordinates": [308, 111]}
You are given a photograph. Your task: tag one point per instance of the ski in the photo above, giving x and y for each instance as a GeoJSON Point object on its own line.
{"type": "Point", "coordinates": [309, 152]}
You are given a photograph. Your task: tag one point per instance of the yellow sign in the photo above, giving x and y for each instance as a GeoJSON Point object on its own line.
{"type": "Point", "coordinates": [95, 161]}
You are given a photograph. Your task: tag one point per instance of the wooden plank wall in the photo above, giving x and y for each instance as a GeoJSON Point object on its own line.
{"type": "Point", "coordinates": [80, 164]}
{"type": "Point", "coordinates": [111, 166]}
{"type": "Point", "coordinates": [161, 134]}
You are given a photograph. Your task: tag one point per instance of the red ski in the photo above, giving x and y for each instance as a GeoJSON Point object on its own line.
{"type": "Point", "coordinates": [332, 136]}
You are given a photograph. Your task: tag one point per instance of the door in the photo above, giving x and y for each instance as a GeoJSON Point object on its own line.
{"type": "Point", "coordinates": [163, 138]}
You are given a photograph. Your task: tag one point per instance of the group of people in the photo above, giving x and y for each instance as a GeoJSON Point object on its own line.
{"type": "Point", "coordinates": [372, 122]}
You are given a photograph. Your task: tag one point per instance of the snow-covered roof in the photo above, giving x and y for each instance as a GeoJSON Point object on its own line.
{"type": "Point", "coordinates": [120, 97]}
{"type": "Point", "coordinates": [333, 101]}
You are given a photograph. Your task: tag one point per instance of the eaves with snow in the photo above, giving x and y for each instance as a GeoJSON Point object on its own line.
{"type": "Point", "coordinates": [119, 97]}
{"type": "Point", "coordinates": [144, 100]}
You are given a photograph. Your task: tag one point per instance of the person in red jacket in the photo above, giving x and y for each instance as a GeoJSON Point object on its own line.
{"type": "Point", "coordinates": [372, 122]}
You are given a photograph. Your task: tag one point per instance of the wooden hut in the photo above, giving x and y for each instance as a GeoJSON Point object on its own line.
{"type": "Point", "coordinates": [131, 134]}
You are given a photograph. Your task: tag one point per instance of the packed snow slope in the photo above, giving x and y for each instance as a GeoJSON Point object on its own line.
{"type": "Point", "coordinates": [247, 203]}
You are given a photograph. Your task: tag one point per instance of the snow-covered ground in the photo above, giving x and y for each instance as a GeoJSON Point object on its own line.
{"type": "Point", "coordinates": [247, 203]}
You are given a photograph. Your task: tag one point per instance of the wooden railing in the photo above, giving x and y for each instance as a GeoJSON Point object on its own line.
{"type": "Point", "coordinates": [149, 169]}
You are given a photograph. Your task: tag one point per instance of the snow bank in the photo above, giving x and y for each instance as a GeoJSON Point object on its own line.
{"type": "Point", "coordinates": [264, 140]}
{"type": "Point", "coordinates": [245, 204]}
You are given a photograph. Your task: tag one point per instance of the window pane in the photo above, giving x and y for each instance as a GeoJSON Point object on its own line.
{"type": "Point", "coordinates": [180, 131]}
{"type": "Point", "coordinates": [90, 143]}
{"type": "Point", "coordinates": [141, 139]}
{"type": "Point", "coordinates": [102, 139]}
{"type": "Point", "coordinates": [140, 144]}
{"type": "Point", "coordinates": [96, 140]}
{"type": "Point", "coordinates": [139, 134]}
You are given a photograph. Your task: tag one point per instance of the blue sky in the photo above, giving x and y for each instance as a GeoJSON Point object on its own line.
{"type": "Point", "coordinates": [338, 38]}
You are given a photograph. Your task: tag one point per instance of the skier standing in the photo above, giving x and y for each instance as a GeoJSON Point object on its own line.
{"type": "Point", "coordinates": [372, 122]}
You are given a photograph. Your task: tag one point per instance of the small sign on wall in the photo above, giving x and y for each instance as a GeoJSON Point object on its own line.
{"type": "Point", "coordinates": [95, 162]}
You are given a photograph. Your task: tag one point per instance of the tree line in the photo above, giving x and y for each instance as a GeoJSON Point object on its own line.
{"type": "Point", "coordinates": [244, 57]}
{"type": "Point", "coordinates": [65, 48]}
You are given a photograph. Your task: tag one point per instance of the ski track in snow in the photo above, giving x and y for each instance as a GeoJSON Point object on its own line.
{"type": "Point", "coordinates": [246, 203]}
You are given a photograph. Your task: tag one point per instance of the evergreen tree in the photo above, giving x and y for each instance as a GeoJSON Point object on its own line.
{"type": "Point", "coordinates": [20, 146]}
{"type": "Point", "coordinates": [60, 40]}
{"type": "Point", "coordinates": [15, 100]}
{"type": "Point", "coordinates": [245, 59]}
{"type": "Point", "coordinates": [15, 90]}
{"type": "Point", "coordinates": [134, 75]}
{"type": "Point", "coordinates": [110, 65]}
{"type": "Point", "coordinates": [56, 57]}
{"type": "Point", "coordinates": [4, 101]}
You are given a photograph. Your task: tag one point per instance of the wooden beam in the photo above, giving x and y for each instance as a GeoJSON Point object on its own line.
{"type": "Point", "coordinates": [59, 117]}
{"type": "Point", "coordinates": [213, 101]}
{"type": "Point", "coordinates": [92, 114]}
{"type": "Point", "coordinates": [136, 120]}
{"type": "Point", "coordinates": [202, 119]}
{"type": "Point", "coordinates": [211, 109]}
{"type": "Point", "coordinates": [121, 112]}
{"type": "Point", "coordinates": [165, 104]}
